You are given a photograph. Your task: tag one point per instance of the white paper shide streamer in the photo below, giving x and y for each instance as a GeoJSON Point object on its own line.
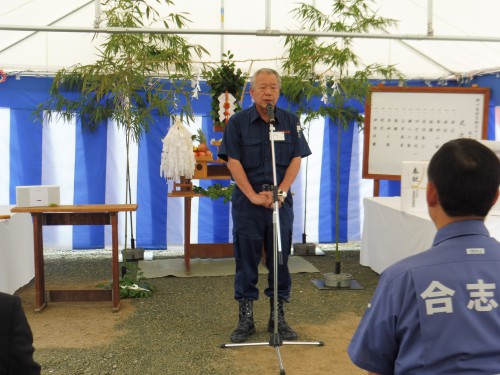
{"type": "Point", "coordinates": [227, 104]}
{"type": "Point", "coordinates": [177, 157]}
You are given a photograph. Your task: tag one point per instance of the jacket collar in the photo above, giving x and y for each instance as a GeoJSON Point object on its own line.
{"type": "Point", "coordinates": [460, 228]}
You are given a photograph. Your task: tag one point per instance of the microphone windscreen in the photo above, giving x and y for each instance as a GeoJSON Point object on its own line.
{"type": "Point", "coordinates": [270, 112]}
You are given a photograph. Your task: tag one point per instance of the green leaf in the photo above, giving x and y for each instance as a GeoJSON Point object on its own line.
{"type": "Point", "coordinates": [216, 191]}
{"type": "Point", "coordinates": [119, 85]}
{"type": "Point", "coordinates": [222, 78]}
{"type": "Point", "coordinates": [331, 61]}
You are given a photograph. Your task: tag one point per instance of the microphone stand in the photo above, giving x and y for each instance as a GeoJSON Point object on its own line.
{"type": "Point", "coordinates": [275, 340]}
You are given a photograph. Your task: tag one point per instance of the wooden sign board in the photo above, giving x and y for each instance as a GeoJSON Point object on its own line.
{"type": "Point", "coordinates": [411, 123]}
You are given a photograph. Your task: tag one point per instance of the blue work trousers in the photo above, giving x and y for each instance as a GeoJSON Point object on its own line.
{"type": "Point", "coordinates": [252, 233]}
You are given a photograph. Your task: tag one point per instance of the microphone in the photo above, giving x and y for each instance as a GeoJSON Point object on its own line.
{"type": "Point", "coordinates": [270, 113]}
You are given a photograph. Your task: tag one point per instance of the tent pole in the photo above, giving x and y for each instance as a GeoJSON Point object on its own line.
{"type": "Point", "coordinates": [430, 30]}
{"type": "Point", "coordinates": [270, 33]}
{"type": "Point", "coordinates": [423, 55]}
{"type": "Point", "coordinates": [50, 24]}
{"type": "Point", "coordinates": [97, 19]}
{"type": "Point", "coordinates": [268, 15]}
{"type": "Point", "coordinates": [222, 47]}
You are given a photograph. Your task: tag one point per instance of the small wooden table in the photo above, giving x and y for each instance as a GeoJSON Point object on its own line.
{"type": "Point", "coordinates": [92, 214]}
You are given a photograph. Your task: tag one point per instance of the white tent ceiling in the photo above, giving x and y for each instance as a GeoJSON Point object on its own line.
{"type": "Point", "coordinates": [38, 36]}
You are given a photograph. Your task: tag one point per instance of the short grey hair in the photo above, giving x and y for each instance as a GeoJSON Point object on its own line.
{"type": "Point", "coordinates": [265, 71]}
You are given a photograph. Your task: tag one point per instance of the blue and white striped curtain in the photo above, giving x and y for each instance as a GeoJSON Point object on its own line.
{"type": "Point", "coordinates": [91, 169]}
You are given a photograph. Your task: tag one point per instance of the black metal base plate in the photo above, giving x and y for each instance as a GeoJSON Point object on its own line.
{"type": "Point", "coordinates": [307, 249]}
{"type": "Point", "coordinates": [320, 284]}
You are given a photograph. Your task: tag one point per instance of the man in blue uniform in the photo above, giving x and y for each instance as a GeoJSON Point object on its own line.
{"type": "Point", "coordinates": [246, 146]}
{"type": "Point", "coordinates": [16, 339]}
{"type": "Point", "coordinates": [438, 312]}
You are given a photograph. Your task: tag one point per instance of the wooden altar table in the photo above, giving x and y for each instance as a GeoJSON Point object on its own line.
{"type": "Point", "coordinates": [94, 214]}
{"type": "Point", "coordinates": [216, 170]}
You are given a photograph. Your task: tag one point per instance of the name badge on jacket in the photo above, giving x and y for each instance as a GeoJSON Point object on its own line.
{"type": "Point", "coordinates": [279, 136]}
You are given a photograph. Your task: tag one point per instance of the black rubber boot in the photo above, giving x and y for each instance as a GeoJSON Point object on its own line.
{"type": "Point", "coordinates": [246, 327]}
{"type": "Point", "coordinates": [286, 332]}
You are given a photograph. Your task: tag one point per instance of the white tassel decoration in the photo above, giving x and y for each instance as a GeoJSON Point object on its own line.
{"type": "Point", "coordinates": [177, 157]}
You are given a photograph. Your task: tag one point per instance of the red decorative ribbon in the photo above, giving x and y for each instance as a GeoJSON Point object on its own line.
{"type": "Point", "coordinates": [226, 107]}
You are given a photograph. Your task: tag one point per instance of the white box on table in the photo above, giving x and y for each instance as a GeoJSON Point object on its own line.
{"type": "Point", "coordinates": [414, 186]}
{"type": "Point", "coordinates": [37, 195]}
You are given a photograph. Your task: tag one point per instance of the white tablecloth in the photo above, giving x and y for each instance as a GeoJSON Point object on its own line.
{"type": "Point", "coordinates": [16, 251]}
{"type": "Point", "coordinates": [390, 234]}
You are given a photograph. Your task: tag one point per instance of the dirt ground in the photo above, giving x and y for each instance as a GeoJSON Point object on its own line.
{"type": "Point", "coordinates": [64, 333]}
{"type": "Point", "coordinates": [73, 326]}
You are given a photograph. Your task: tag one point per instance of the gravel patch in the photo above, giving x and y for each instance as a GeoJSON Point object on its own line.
{"type": "Point", "coordinates": [170, 253]}
{"type": "Point", "coordinates": [178, 330]}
